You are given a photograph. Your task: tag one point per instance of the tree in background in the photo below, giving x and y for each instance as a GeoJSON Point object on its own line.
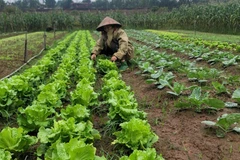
{"type": "Point", "coordinates": [102, 4]}
{"type": "Point", "coordinates": [2, 4]}
{"type": "Point", "coordinates": [154, 5]}
{"type": "Point", "coordinates": [86, 1]}
{"type": "Point", "coordinates": [50, 3]}
{"type": "Point", "coordinates": [65, 4]}
{"type": "Point", "coordinates": [29, 4]}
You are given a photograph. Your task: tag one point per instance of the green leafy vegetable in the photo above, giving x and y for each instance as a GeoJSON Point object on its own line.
{"type": "Point", "coordinates": [73, 150]}
{"type": "Point", "coordinates": [135, 134]}
{"type": "Point", "coordinates": [5, 155]}
{"type": "Point", "coordinates": [78, 112]}
{"type": "Point", "coordinates": [33, 117]}
{"type": "Point", "coordinates": [236, 95]}
{"type": "Point", "coordinates": [64, 130]}
{"type": "Point", "coordinates": [14, 139]}
{"type": "Point", "coordinates": [148, 154]}
{"type": "Point", "coordinates": [225, 123]}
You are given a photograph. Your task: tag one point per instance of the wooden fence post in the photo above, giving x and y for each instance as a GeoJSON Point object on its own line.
{"type": "Point", "coordinates": [195, 26]}
{"type": "Point", "coordinates": [44, 40]}
{"type": "Point", "coordinates": [54, 31]}
{"type": "Point", "coordinates": [25, 49]}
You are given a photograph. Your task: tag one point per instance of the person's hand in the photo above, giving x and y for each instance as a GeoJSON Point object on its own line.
{"type": "Point", "coordinates": [93, 56]}
{"type": "Point", "coordinates": [114, 58]}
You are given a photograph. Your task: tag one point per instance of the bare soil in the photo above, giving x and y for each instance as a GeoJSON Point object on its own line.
{"type": "Point", "coordinates": [9, 66]}
{"type": "Point", "coordinates": [181, 134]}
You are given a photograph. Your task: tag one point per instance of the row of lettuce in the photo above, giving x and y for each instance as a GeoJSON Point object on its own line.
{"type": "Point", "coordinates": [52, 102]}
{"type": "Point", "coordinates": [20, 90]}
{"type": "Point", "coordinates": [132, 130]}
{"type": "Point", "coordinates": [205, 85]}
{"type": "Point", "coordinates": [41, 117]}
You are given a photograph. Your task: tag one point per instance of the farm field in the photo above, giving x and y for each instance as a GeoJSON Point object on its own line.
{"type": "Point", "coordinates": [182, 136]}
{"type": "Point", "coordinates": [12, 56]}
{"type": "Point", "coordinates": [175, 87]}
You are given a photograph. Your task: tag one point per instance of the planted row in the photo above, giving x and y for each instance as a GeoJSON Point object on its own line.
{"type": "Point", "coordinates": [20, 90]}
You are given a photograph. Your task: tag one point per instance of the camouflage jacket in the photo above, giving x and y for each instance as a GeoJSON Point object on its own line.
{"type": "Point", "coordinates": [117, 41]}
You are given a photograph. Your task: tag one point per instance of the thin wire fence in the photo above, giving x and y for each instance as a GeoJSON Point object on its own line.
{"type": "Point", "coordinates": [17, 51]}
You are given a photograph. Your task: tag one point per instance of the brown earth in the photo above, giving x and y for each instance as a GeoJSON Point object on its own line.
{"type": "Point", "coordinates": [181, 134]}
{"type": "Point", "coordinates": [9, 66]}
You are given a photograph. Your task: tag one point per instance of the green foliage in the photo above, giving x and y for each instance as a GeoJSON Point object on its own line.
{"type": "Point", "coordinates": [146, 67]}
{"type": "Point", "coordinates": [104, 66]}
{"type": "Point", "coordinates": [112, 74]}
{"type": "Point", "coordinates": [148, 154]}
{"type": "Point", "coordinates": [135, 134]}
{"type": "Point", "coordinates": [5, 155]}
{"type": "Point", "coordinates": [78, 112]}
{"type": "Point", "coordinates": [236, 95]}
{"type": "Point", "coordinates": [113, 84]}
{"type": "Point", "coordinates": [50, 3]}
{"type": "Point", "coordinates": [178, 88]}
{"type": "Point", "coordinates": [238, 48]}
{"type": "Point", "coordinates": [64, 130]}
{"type": "Point", "coordinates": [225, 123]}
{"type": "Point", "coordinates": [123, 106]}
{"type": "Point", "coordinates": [199, 101]}
{"type": "Point", "coordinates": [86, 72]}
{"type": "Point", "coordinates": [161, 78]}
{"type": "Point", "coordinates": [15, 140]}
{"type": "Point", "coordinates": [74, 149]}
{"type": "Point", "coordinates": [220, 88]}
{"type": "Point", "coordinates": [8, 100]}
{"type": "Point", "coordinates": [35, 116]}
{"type": "Point", "coordinates": [84, 94]}
{"type": "Point", "coordinates": [2, 4]}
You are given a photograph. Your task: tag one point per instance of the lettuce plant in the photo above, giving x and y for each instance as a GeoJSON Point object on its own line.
{"type": "Point", "coordinates": [8, 100]}
{"type": "Point", "coordinates": [5, 155]}
{"type": "Point", "coordinates": [84, 94]}
{"type": "Point", "coordinates": [135, 134]}
{"type": "Point", "coordinates": [112, 74]}
{"type": "Point", "coordinates": [73, 150]}
{"type": "Point", "coordinates": [78, 112]}
{"type": "Point", "coordinates": [113, 84]}
{"type": "Point", "coordinates": [33, 117]}
{"type": "Point", "coordinates": [58, 87]}
{"type": "Point", "coordinates": [105, 65]}
{"type": "Point", "coordinates": [86, 72]}
{"type": "Point", "coordinates": [123, 106]}
{"type": "Point", "coordinates": [64, 130]}
{"type": "Point", "coordinates": [22, 87]}
{"type": "Point", "coordinates": [15, 140]}
{"type": "Point", "coordinates": [148, 154]}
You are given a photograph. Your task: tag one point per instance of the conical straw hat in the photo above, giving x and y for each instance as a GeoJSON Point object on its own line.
{"type": "Point", "coordinates": [107, 21]}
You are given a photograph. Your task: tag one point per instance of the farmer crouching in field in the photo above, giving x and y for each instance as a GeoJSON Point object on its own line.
{"type": "Point", "coordinates": [113, 43]}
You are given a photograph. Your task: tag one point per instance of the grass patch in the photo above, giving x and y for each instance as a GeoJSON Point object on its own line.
{"type": "Point", "coordinates": [208, 36]}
